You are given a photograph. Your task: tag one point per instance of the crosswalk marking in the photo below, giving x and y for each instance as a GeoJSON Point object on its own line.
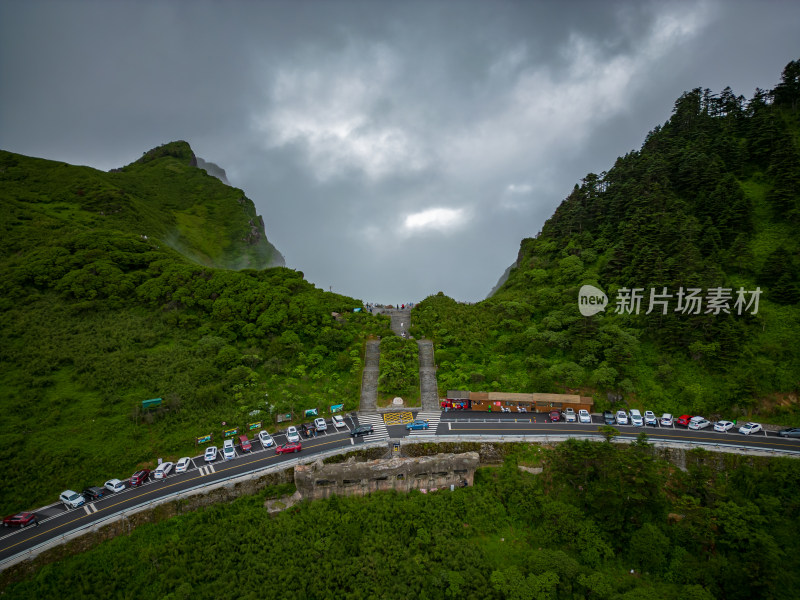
{"type": "Point", "coordinates": [89, 509]}
{"type": "Point", "coordinates": [379, 427]}
{"type": "Point", "coordinates": [432, 417]}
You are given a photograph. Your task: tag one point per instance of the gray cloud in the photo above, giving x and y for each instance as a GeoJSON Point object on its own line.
{"type": "Point", "coordinates": [394, 149]}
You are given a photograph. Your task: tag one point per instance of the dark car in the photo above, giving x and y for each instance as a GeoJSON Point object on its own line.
{"type": "Point", "coordinates": [794, 432]}
{"type": "Point", "coordinates": [609, 418]}
{"type": "Point", "coordinates": [22, 519]}
{"type": "Point", "coordinates": [93, 493]}
{"type": "Point", "coordinates": [289, 447]}
{"type": "Point", "coordinates": [555, 416]}
{"type": "Point", "coordinates": [140, 477]}
{"type": "Point", "coordinates": [361, 430]}
{"type": "Point", "coordinates": [308, 430]}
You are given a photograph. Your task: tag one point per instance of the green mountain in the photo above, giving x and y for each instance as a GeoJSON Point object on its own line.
{"type": "Point", "coordinates": [711, 200]}
{"type": "Point", "coordinates": [117, 288]}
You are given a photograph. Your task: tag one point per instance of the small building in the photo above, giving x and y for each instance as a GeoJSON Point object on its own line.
{"type": "Point", "coordinates": [515, 402]}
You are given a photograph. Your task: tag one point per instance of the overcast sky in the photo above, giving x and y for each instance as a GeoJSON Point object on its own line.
{"type": "Point", "coordinates": [395, 149]}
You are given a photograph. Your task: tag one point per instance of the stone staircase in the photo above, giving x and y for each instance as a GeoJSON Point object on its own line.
{"type": "Point", "coordinates": [369, 381]}
{"type": "Point", "coordinates": [428, 388]}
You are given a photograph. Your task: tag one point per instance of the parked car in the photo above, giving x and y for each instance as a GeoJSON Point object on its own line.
{"type": "Point", "coordinates": [609, 418]}
{"type": "Point", "coordinates": [211, 454]}
{"type": "Point", "coordinates": [621, 417]}
{"type": "Point", "coordinates": [245, 444]}
{"type": "Point", "coordinates": [650, 418]}
{"type": "Point", "coordinates": [289, 447]}
{"type": "Point", "coordinates": [683, 420]}
{"type": "Point", "coordinates": [308, 430]}
{"type": "Point", "coordinates": [140, 477]}
{"type": "Point", "coordinates": [228, 450]}
{"type": "Point", "coordinates": [361, 430]}
{"type": "Point", "coordinates": [320, 424]}
{"type": "Point", "coordinates": [666, 420]}
{"type": "Point", "coordinates": [291, 434]}
{"type": "Point", "coordinates": [749, 428]}
{"type": "Point", "coordinates": [569, 414]}
{"type": "Point", "coordinates": [22, 519]}
{"type": "Point", "coordinates": [723, 426]}
{"type": "Point", "coordinates": [183, 464]}
{"type": "Point", "coordinates": [71, 499]}
{"type": "Point", "coordinates": [636, 418]}
{"type": "Point", "coordinates": [162, 470]}
{"type": "Point", "coordinates": [266, 439]}
{"type": "Point", "coordinates": [93, 493]}
{"type": "Point", "coordinates": [417, 424]}
{"type": "Point", "coordinates": [338, 421]}
{"type": "Point", "coordinates": [699, 423]}
{"type": "Point", "coordinates": [584, 416]}
{"type": "Point", "coordinates": [114, 485]}
{"type": "Point", "coordinates": [794, 432]}
{"type": "Point", "coordinates": [555, 416]}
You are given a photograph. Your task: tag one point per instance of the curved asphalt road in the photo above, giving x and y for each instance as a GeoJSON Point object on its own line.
{"type": "Point", "coordinates": [56, 521]}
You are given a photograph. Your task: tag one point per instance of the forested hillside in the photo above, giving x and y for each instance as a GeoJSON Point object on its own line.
{"type": "Point", "coordinates": [602, 521]}
{"type": "Point", "coordinates": [99, 312]}
{"type": "Point", "coordinates": [711, 200]}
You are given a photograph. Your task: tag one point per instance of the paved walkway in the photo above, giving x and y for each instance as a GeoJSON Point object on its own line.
{"type": "Point", "coordinates": [428, 388]}
{"type": "Point", "coordinates": [369, 381]}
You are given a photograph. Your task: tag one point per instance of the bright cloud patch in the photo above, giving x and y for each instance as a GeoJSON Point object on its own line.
{"type": "Point", "coordinates": [337, 114]}
{"type": "Point", "coordinates": [437, 219]}
{"type": "Point", "coordinates": [523, 188]}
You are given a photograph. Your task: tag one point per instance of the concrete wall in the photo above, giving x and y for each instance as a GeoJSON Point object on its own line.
{"type": "Point", "coordinates": [317, 480]}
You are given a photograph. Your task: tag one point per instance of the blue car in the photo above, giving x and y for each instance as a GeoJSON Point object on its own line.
{"type": "Point", "coordinates": [418, 424]}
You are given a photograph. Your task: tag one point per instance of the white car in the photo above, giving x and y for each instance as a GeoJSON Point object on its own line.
{"type": "Point", "coordinates": [338, 421]}
{"type": "Point", "coordinates": [228, 450]}
{"type": "Point", "coordinates": [72, 499]}
{"type": "Point", "coordinates": [569, 414]}
{"type": "Point", "coordinates": [584, 416]}
{"type": "Point", "coordinates": [183, 464]}
{"type": "Point", "coordinates": [114, 485]}
{"type": "Point", "coordinates": [723, 426]}
{"type": "Point", "coordinates": [650, 418]}
{"type": "Point", "coordinates": [211, 454]}
{"type": "Point", "coordinates": [292, 435]}
{"type": "Point", "coordinates": [320, 424]}
{"type": "Point", "coordinates": [699, 423]}
{"type": "Point", "coordinates": [636, 418]}
{"type": "Point", "coordinates": [622, 417]}
{"type": "Point", "coordinates": [163, 470]}
{"type": "Point", "coordinates": [265, 439]}
{"type": "Point", "coordinates": [666, 420]}
{"type": "Point", "coordinates": [749, 428]}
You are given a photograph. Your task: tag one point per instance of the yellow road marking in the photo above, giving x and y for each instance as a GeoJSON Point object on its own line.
{"type": "Point", "coordinates": [397, 418]}
{"type": "Point", "coordinates": [750, 440]}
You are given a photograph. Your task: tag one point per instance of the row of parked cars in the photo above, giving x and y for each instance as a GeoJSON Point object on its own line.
{"type": "Point", "coordinates": [634, 417]}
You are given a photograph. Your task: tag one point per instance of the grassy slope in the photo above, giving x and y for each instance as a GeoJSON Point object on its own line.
{"type": "Point", "coordinates": [95, 319]}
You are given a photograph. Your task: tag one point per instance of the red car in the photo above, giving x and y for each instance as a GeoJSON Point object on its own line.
{"type": "Point", "coordinates": [555, 416]}
{"type": "Point", "coordinates": [140, 477]}
{"type": "Point", "coordinates": [290, 447]}
{"type": "Point", "coordinates": [22, 519]}
{"type": "Point", "coordinates": [683, 420]}
{"type": "Point", "coordinates": [245, 444]}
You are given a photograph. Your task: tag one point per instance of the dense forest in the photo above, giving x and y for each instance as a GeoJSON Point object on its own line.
{"type": "Point", "coordinates": [711, 200]}
{"type": "Point", "coordinates": [602, 521]}
{"type": "Point", "coordinates": [105, 305]}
